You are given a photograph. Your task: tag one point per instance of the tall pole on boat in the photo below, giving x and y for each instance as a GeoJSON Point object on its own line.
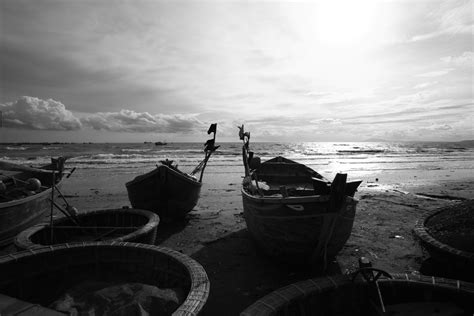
{"type": "Point", "coordinates": [209, 147]}
{"type": "Point", "coordinates": [1, 126]}
{"type": "Point", "coordinates": [53, 185]}
{"type": "Point", "coordinates": [245, 148]}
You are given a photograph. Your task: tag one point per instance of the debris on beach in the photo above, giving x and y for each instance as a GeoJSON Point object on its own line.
{"type": "Point", "coordinates": [100, 298]}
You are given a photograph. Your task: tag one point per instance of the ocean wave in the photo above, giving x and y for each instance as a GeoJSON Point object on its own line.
{"type": "Point", "coordinates": [135, 149]}
{"type": "Point", "coordinates": [350, 156]}
{"type": "Point", "coordinates": [361, 151]}
{"type": "Point", "coordinates": [16, 148]}
{"type": "Point", "coordinates": [50, 148]}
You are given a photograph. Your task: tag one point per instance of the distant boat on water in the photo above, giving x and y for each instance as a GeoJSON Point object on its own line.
{"type": "Point", "coordinates": [161, 143]}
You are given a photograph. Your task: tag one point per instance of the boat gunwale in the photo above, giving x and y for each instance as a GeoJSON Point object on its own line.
{"type": "Point", "coordinates": [182, 175]}
{"type": "Point", "coordinates": [27, 199]}
{"type": "Point", "coordinates": [322, 198]}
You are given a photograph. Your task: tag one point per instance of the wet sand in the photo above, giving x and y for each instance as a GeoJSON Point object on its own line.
{"type": "Point", "coordinates": [215, 234]}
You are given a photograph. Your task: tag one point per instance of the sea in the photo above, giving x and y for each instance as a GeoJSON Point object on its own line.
{"type": "Point", "coordinates": [359, 159]}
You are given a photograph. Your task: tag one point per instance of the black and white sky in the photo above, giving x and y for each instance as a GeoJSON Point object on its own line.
{"type": "Point", "coordinates": [322, 70]}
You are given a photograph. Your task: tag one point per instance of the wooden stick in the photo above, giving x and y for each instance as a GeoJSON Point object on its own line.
{"type": "Point", "coordinates": [64, 212]}
{"type": "Point", "coordinates": [208, 155]}
{"type": "Point", "coordinates": [336, 201]}
{"type": "Point", "coordinates": [244, 151]}
{"type": "Point", "coordinates": [205, 163]}
{"type": "Point", "coordinates": [52, 206]}
{"type": "Point", "coordinates": [104, 234]}
{"type": "Point", "coordinates": [97, 227]}
{"type": "Point", "coordinates": [380, 296]}
{"type": "Point", "coordinates": [16, 167]}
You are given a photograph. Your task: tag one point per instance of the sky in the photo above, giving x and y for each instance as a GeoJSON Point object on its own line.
{"type": "Point", "coordinates": [322, 70]}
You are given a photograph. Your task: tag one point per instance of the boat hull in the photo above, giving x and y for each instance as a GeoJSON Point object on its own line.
{"type": "Point", "coordinates": [20, 214]}
{"type": "Point", "coordinates": [164, 191]}
{"type": "Point", "coordinates": [297, 229]}
{"type": "Point", "coordinates": [15, 218]}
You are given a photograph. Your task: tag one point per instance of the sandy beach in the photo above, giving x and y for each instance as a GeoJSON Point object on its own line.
{"type": "Point", "coordinates": [215, 234]}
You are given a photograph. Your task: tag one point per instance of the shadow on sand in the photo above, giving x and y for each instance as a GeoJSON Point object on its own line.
{"type": "Point", "coordinates": [240, 274]}
{"type": "Point", "coordinates": [436, 268]}
{"type": "Point", "coordinates": [167, 228]}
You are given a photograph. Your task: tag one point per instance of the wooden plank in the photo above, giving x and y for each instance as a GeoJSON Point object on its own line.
{"type": "Point", "coordinates": [338, 192]}
{"type": "Point", "coordinates": [16, 167]}
{"type": "Point", "coordinates": [323, 187]}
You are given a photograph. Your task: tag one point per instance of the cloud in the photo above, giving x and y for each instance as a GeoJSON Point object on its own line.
{"type": "Point", "coordinates": [437, 73]}
{"type": "Point", "coordinates": [143, 122]}
{"type": "Point", "coordinates": [326, 121]}
{"type": "Point", "coordinates": [466, 59]}
{"type": "Point", "coordinates": [439, 127]}
{"type": "Point", "coordinates": [425, 85]}
{"type": "Point", "coordinates": [36, 114]}
{"type": "Point", "coordinates": [451, 19]}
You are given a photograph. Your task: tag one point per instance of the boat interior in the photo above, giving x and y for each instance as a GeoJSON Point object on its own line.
{"type": "Point", "coordinates": [283, 179]}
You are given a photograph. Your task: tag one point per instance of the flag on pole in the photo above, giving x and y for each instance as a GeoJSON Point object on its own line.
{"type": "Point", "coordinates": [212, 128]}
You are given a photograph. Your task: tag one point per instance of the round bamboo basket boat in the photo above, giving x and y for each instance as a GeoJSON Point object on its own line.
{"type": "Point", "coordinates": [125, 224]}
{"type": "Point", "coordinates": [340, 295]}
{"type": "Point", "coordinates": [447, 234]}
{"type": "Point", "coordinates": [41, 275]}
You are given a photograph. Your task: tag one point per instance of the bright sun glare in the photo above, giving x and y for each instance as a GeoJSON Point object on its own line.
{"type": "Point", "coordinates": [344, 22]}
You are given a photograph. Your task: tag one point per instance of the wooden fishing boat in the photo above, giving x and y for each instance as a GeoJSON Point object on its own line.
{"type": "Point", "coordinates": [167, 191]}
{"type": "Point", "coordinates": [294, 213]}
{"type": "Point", "coordinates": [25, 194]}
{"type": "Point", "coordinates": [125, 224]}
{"type": "Point", "coordinates": [396, 294]}
{"type": "Point", "coordinates": [53, 276]}
{"type": "Point", "coordinates": [447, 234]}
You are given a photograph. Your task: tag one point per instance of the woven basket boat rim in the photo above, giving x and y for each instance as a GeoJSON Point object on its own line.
{"type": "Point", "coordinates": [284, 295]}
{"type": "Point", "coordinates": [422, 233]}
{"type": "Point", "coordinates": [22, 240]}
{"type": "Point", "coordinates": [200, 284]}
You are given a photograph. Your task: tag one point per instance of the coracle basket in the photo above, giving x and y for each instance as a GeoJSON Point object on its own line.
{"type": "Point", "coordinates": [41, 275]}
{"type": "Point", "coordinates": [341, 295]}
{"type": "Point", "coordinates": [447, 234]}
{"type": "Point", "coordinates": [125, 224]}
